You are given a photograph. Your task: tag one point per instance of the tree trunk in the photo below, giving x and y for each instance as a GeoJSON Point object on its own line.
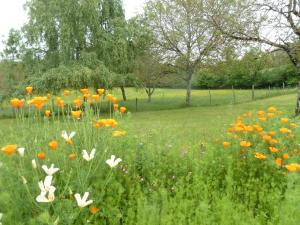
{"type": "Point", "coordinates": [123, 93]}
{"type": "Point", "coordinates": [297, 111]}
{"type": "Point", "coordinates": [149, 98]}
{"type": "Point", "coordinates": [189, 87]}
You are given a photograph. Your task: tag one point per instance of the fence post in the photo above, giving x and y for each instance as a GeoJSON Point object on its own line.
{"type": "Point", "coordinates": [233, 95]}
{"type": "Point", "coordinates": [253, 96]}
{"type": "Point", "coordinates": [136, 104]}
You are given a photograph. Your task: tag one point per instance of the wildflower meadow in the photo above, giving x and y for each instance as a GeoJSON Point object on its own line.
{"type": "Point", "coordinates": [72, 164]}
{"type": "Point", "coordinates": [149, 112]}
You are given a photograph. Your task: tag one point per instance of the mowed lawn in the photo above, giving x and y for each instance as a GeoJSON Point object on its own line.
{"type": "Point", "coordinates": [167, 99]}
{"type": "Point", "coordinates": [192, 124]}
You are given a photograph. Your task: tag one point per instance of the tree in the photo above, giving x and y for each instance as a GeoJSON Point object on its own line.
{"type": "Point", "coordinates": [150, 73]}
{"type": "Point", "coordinates": [183, 35]}
{"type": "Point", "coordinates": [269, 22]}
{"type": "Point", "coordinates": [12, 46]}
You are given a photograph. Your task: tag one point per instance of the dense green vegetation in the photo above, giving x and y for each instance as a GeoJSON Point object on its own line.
{"type": "Point", "coordinates": [151, 186]}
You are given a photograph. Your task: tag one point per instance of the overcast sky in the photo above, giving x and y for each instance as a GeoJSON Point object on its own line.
{"type": "Point", "coordinates": [12, 14]}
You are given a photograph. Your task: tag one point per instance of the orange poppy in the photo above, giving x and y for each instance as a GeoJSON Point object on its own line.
{"type": "Point", "coordinates": [278, 161]}
{"type": "Point", "coordinates": [122, 109]}
{"type": "Point", "coordinates": [284, 120]}
{"type": "Point", "coordinates": [72, 156]}
{"type": "Point", "coordinates": [116, 107]}
{"type": "Point", "coordinates": [76, 114]}
{"type": "Point", "coordinates": [67, 92]}
{"type": "Point", "coordinates": [17, 103]}
{"type": "Point", "coordinates": [100, 91]}
{"type": "Point", "coordinates": [53, 145]}
{"type": "Point", "coordinates": [226, 144]}
{"type": "Point", "coordinates": [47, 113]}
{"type": "Point", "coordinates": [259, 155]}
{"type": "Point", "coordinates": [77, 102]}
{"type": "Point", "coordinates": [95, 98]}
{"type": "Point", "coordinates": [9, 149]}
{"type": "Point", "coordinates": [41, 155]}
{"type": "Point", "coordinates": [29, 90]}
{"type": "Point", "coordinates": [94, 210]}
{"type": "Point", "coordinates": [84, 91]}
{"type": "Point", "coordinates": [285, 156]}
{"type": "Point", "coordinates": [245, 144]}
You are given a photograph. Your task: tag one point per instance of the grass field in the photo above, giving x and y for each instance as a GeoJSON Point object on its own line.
{"type": "Point", "coordinates": [166, 99]}
{"type": "Point", "coordinates": [174, 169]}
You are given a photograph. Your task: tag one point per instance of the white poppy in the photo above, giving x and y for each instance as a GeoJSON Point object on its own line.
{"type": "Point", "coordinates": [88, 157]}
{"type": "Point", "coordinates": [46, 197]}
{"type": "Point", "coordinates": [33, 162]}
{"type": "Point", "coordinates": [1, 215]}
{"type": "Point", "coordinates": [21, 151]}
{"type": "Point", "coordinates": [82, 202]}
{"type": "Point", "coordinates": [46, 184]}
{"type": "Point", "coordinates": [113, 162]}
{"type": "Point", "coordinates": [47, 190]}
{"type": "Point", "coordinates": [68, 138]}
{"type": "Point", "coordinates": [50, 171]}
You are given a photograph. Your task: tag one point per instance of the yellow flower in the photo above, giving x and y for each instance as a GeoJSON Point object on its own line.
{"type": "Point", "coordinates": [84, 91]}
{"type": "Point", "coordinates": [95, 98]}
{"type": "Point", "coordinates": [38, 101]}
{"type": "Point", "coordinates": [67, 92]}
{"type": "Point", "coordinates": [114, 100]}
{"type": "Point", "coordinates": [72, 156]}
{"type": "Point", "coordinates": [279, 113]}
{"type": "Point", "coordinates": [245, 144]}
{"type": "Point", "coordinates": [47, 113]}
{"type": "Point", "coordinates": [293, 167]}
{"type": "Point", "coordinates": [278, 161]}
{"type": "Point", "coordinates": [53, 145]}
{"type": "Point", "coordinates": [119, 133]}
{"type": "Point", "coordinates": [284, 120]}
{"type": "Point", "coordinates": [293, 125]}
{"type": "Point", "coordinates": [248, 128]}
{"type": "Point", "coordinates": [29, 90]}
{"type": "Point", "coordinates": [259, 155]}
{"type": "Point", "coordinates": [77, 102]}
{"type": "Point", "coordinates": [76, 114]}
{"type": "Point", "coordinates": [285, 130]}
{"type": "Point", "coordinates": [285, 156]}
{"type": "Point", "coordinates": [109, 97]}
{"type": "Point", "coordinates": [60, 103]}
{"type": "Point", "coordinates": [273, 142]}
{"type": "Point", "coordinates": [272, 133]}
{"type": "Point", "coordinates": [122, 109]}
{"type": "Point", "coordinates": [261, 113]}
{"type": "Point", "coordinates": [270, 115]}
{"type": "Point", "coordinates": [116, 107]}
{"type": "Point", "coordinates": [262, 119]}
{"type": "Point", "coordinates": [273, 149]}
{"type": "Point", "coordinates": [267, 138]}
{"type": "Point", "coordinates": [17, 103]}
{"type": "Point", "coordinates": [226, 144]}
{"type": "Point", "coordinates": [272, 109]}
{"type": "Point", "coordinates": [257, 128]}
{"type": "Point", "coordinates": [100, 91]}
{"type": "Point", "coordinates": [9, 149]}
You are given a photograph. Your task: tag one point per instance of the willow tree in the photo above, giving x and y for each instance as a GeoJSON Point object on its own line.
{"type": "Point", "coordinates": [272, 23]}
{"type": "Point", "coordinates": [184, 38]}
